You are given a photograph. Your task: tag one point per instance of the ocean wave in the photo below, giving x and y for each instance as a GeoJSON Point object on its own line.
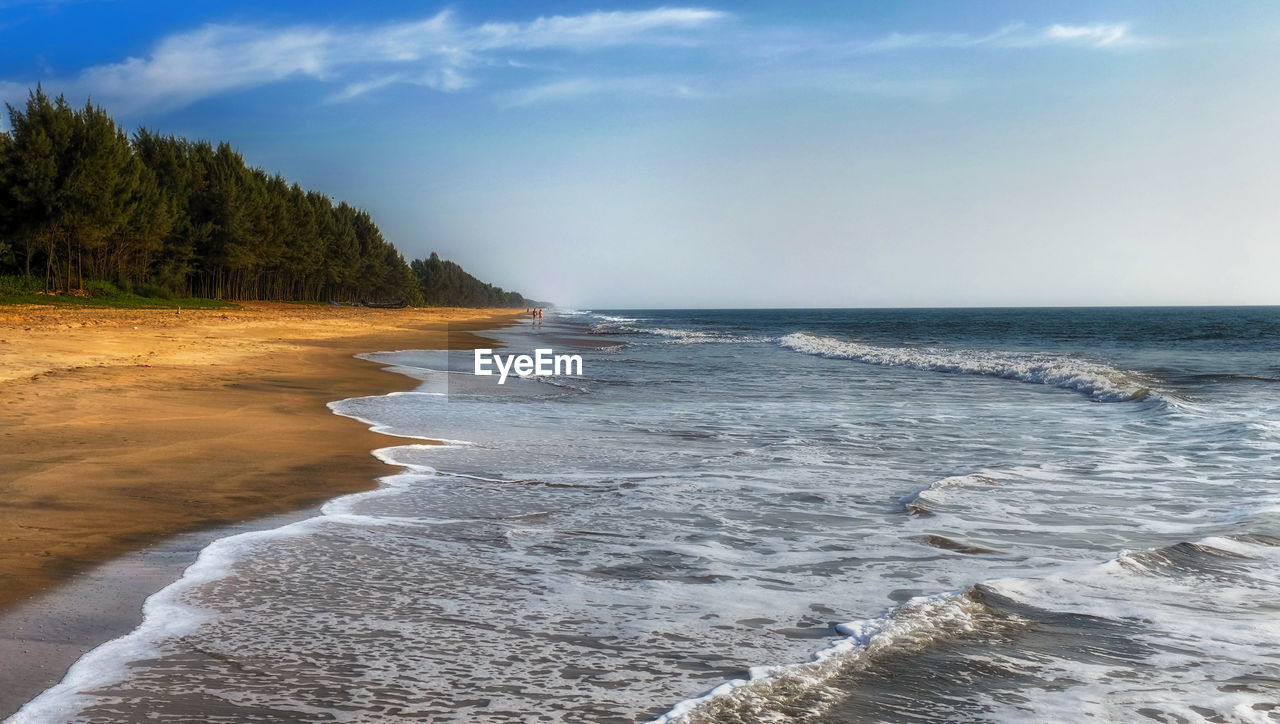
{"type": "Point", "coordinates": [997, 611]}
{"type": "Point", "coordinates": [914, 625]}
{"type": "Point", "coordinates": [619, 325]}
{"type": "Point", "coordinates": [672, 335]}
{"type": "Point", "coordinates": [924, 502]}
{"type": "Point", "coordinates": [693, 336]}
{"type": "Point", "coordinates": [611, 321]}
{"type": "Point", "coordinates": [1094, 380]}
{"type": "Point", "coordinates": [1208, 556]}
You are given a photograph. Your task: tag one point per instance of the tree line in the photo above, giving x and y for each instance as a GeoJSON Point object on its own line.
{"type": "Point", "coordinates": [82, 200]}
{"type": "Point", "coordinates": [444, 283]}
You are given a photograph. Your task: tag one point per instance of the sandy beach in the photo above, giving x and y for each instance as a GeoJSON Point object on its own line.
{"type": "Point", "coordinates": [123, 427]}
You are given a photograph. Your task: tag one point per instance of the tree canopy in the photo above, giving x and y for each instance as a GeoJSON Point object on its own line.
{"type": "Point", "coordinates": [82, 200]}
{"type": "Point", "coordinates": [444, 283]}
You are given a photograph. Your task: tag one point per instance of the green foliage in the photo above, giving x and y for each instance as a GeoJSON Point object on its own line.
{"type": "Point", "coordinates": [151, 219]}
{"type": "Point", "coordinates": [98, 289]}
{"type": "Point", "coordinates": [154, 291]}
{"type": "Point", "coordinates": [17, 284]}
{"type": "Point", "coordinates": [122, 301]}
{"type": "Point", "coordinates": [445, 284]}
{"type": "Point", "coordinates": [168, 217]}
{"type": "Point", "coordinates": [18, 289]}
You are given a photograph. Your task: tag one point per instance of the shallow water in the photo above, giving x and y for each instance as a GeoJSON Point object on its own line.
{"type": "Point", "coordinates": [821, 516]}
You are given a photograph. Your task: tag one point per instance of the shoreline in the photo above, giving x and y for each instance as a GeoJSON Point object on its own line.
{"type": "Point", "coordinates": [57, 627]}
{"type": "Point", "coordinates": [116, 474]}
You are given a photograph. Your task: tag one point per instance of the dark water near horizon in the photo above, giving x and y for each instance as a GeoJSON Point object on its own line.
{"type": "Point", "coordinates": [759, 516]}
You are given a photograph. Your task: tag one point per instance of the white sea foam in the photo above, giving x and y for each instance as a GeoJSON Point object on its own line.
{"type": "Point", "coordinates": [1104, 592]}
{"type": "Point", "coordinates": [674, 335]}
{"type": "Point", "coordinates": [1097, 381]}
{"type": "Point", "coordinates": [936, 492]}
{"type": "Point", "coordinates": [167, 615]}
{"type": "Point", "coordinates": [609, 324]}
{"type": "Point", "coordinates": [614, 323]}
{"type": "Point", "coordinates": [391, 431]}
{"type": "Point", "coordinates": [915, 623]}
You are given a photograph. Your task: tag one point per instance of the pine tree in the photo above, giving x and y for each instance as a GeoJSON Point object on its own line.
{"type": "Point", "coordinates": [80, 200]}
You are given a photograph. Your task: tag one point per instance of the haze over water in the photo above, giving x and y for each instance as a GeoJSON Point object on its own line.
{"type": "Point", "coordinates": [816, 516]}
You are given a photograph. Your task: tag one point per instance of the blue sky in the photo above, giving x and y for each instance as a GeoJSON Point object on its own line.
{"type": "Point", "coordinates": [745, 154]}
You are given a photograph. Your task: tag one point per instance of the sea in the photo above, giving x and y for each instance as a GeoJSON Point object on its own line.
{"type": "Point", "coordinates": [898, 515]}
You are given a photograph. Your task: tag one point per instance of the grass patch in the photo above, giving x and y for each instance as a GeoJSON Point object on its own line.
{"type": "Point", "coordinates": [119, 301]}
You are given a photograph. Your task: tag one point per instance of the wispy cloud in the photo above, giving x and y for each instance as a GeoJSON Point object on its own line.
{"type": "Point", "coordinates": [439, 52]}
{"type": "Point", "coordinates": [442, 79]}
{"type": "Point", "coordinates": [1013, 35]}
{"type": "Point", "coordinates": [578, 87]}
{"type": "Point", "coordinates": [525, 63]}
{"type": "Point", "coordinates": [211, 60]}
{"type": "Point", "coordinates": [595, 30]}
{"type": "Point", "coordinates": [1099, 35]}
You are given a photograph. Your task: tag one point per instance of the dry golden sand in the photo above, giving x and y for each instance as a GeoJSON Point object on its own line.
{"type": "Point", "coordinates": [121, 427]}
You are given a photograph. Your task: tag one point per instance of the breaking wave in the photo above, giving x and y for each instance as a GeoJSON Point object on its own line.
{"type": "Point", "coordinates": [1014, 614]}
{"type": "Point", "coordinates": [675, 336]}
{"type": "Point", "coordinates": [1094, 380]}
{"type": "Point", "coordinates": [795, 688]}
{"type": "Point", "coordinates": [924, 501]}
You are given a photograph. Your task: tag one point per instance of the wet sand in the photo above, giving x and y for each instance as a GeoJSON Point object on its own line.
{"type": "Point", "coordinates": [122, 428]}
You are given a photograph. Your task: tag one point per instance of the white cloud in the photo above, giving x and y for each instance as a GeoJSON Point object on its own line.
{"type": "Point", "coordinates": [438, 52]}
{"type": "Point", "coordinates": [444, 79]}
{"type": "Point", "coordinates": [908, 41]}
{"type": "Point", "coordinates": [1014, 35]}
{"type": "Point", "coordinates": [214, 59]}
{"type": "Point", "coordinates": [1099, 35]}
{"type": "Point", "coordinates": [359, 88]}
{"type": "Point", "coordinates": [594, 30]}
{"type": "Point", "coordinates": [446, 54]}
{"type": "Point", "coordinates": [630, 87]}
